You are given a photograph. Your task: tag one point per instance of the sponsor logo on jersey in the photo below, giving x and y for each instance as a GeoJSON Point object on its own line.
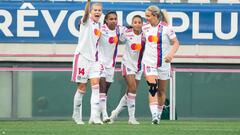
{"type": "Point", "coordinates": [136, 46]}
{"type": "Point", "coordinates": [97, 32]}
{"type": "Point", "coordinates": [112, 40]}
{"type": "Point", "coordinates": [152, 38]}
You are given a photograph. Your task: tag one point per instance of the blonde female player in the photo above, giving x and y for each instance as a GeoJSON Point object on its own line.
{"type": "Point", "coordinates": [131, 68]}
{"type": "Point", "coordinates": [161, 45]}
{"type": "Point", "coordinates": [108, 47]}
{"type": "Point", "coordinates": [86, 65]}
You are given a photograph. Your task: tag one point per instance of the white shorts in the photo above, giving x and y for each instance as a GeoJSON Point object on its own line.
{"type": "Point", "coordinates": [128, 71]}
{"type": "Point", "coordinates": [108, 73]}
{"type": "Point", "coordinates": [84, 69]}
{"type": "Point", "coordinates": [161, 73]}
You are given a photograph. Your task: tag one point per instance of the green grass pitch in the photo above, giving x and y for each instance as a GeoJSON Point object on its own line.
{"type": "Point", "coordinates": [166, 127]}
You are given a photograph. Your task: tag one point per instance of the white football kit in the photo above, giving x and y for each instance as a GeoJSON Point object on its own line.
{"type": "Point", "coordinates": [133, 52]}
{"type": "Point", "coordinates": [157, 46]}
{"type": "Point", "coordinates": [108, 48]}
{"type": "Point", "coordinates": [85, 63]}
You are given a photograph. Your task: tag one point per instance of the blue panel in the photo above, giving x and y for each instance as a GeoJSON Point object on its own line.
{"type": "Point", "coordinates": [206, 25]}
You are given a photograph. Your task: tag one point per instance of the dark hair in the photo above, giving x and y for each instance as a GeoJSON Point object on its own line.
{"type": "Point", "coordinates": [107, 14]}
{"type": "Point", "coordinates": [137, 16]}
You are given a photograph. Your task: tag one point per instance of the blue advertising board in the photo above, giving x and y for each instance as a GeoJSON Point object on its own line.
{"type": "Point", "coordinates": [46, 22]}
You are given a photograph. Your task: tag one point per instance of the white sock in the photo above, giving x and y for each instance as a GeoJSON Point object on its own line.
{"type": "Point", "coordinates": [131, 105]}
{"type": "Point", "coordinates": [160, 109]}
{"type": "Point", "coordinates": [77, 104]}
{"type": "Point", "coordinates": [103, 105]}
{"type": "Point", "coordinates": [122, 104]}
{"type": "Point", "coordinates": [154, 109]}
{"type": "Point", "coordinates": [95, 108]}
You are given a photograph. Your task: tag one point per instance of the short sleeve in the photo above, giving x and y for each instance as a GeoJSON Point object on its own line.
{"type": "Point", "coordinates": [170, 32]}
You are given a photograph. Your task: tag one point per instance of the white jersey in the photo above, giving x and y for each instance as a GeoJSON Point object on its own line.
{"type": "Point", "coordinates": [88, 39]}
{"type": "Point", "coordinates": [157, 44]}
{"type": "Point", "coordinates": [108, 46]}
{"type": "Point", "coordinates": [133, 50]}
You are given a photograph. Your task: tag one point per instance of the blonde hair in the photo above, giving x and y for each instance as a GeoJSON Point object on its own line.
{"type": "Point", "coordinates": [161, 14]}
{"type": "Point", "coordinates": [96, 4]}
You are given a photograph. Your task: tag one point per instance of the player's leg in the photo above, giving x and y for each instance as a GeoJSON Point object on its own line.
{"type": "Point", "coordinates": [131, 97]}
{"type": "Point", "coordinates": [80, 77]}
{"type": "Point", "coordinates": [123, 101]}
{"type": "Point", "coordinates": [94, 77]}
{"type": "Point", "coordinates": [153, 101]}
{"type": "Point", "coordinates": [104, 86]}
{"type": "Point", "coordinates": [105, 82]}
{"type": "Point", "coordinates": [162, 84]}
{"type": "Point", "coordinates": [77, 103]}
{"type": "Point", "coordinates": [163, 77]}
{"type": "Point", "coordinates": [151, 75]}
{"type": "Point", "coordinates": [120, 107]}
{"type": "Point", "coordinates": [95, 102]}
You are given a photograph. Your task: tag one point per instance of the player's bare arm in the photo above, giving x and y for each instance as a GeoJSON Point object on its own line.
{"type": "Point", "coordinates": [174, 48]}
{"type": "Point", "coordinates": [87, 11]}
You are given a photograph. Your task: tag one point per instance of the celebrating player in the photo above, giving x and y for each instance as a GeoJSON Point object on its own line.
{"type": "Point", "coordinates": [161, 45]}
{"type": "Point", "coordinates": [108, 47]}
{"type": "Point", "coordinates": [86, 65]}
{"type": "Point", "coordinates": [131, 67]}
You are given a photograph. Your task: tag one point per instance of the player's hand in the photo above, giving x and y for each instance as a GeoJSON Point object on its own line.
{"type": "Point", "coordinates": [168, 58]}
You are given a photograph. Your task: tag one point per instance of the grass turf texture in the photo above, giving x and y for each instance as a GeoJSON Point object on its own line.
{"type": "Point", "coordinates": [179, 127]}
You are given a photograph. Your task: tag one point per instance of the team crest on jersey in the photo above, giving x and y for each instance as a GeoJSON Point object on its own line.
{"type": "Point", "coordinates": [148, 69]}
{"type": "Point", "coordinates": [160, 30]}
{"type": "Point", "coordinates": [79, 77]}
{"type": "Point", "coordinates": [128, 69]}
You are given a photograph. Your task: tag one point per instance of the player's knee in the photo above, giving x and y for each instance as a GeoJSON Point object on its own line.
{"type": "Point", "coordinates": [152, 88]}
{"type": "Point", "coordinates": [94, 81]}
{"type": "Point", "coordinates": [132, 87]}
{"type": "Point", "coordinates": [161, 89]}
{"type": "Point", "coordinates": [82, 87]}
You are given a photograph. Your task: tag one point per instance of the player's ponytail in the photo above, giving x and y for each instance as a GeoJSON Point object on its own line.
{"type": "Point", "coordinates": [165, 17]}
{"type": "Point", "coordinates": [161, 14]}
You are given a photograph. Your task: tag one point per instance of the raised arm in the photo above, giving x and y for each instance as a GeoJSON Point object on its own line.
{"type": "Point", "coordinates": [87, 11]}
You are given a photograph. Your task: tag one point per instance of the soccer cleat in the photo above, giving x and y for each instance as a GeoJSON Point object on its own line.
{"type": "Point", "coordinates": [107, 120]}
{"type": "Point", "coordinates": [77, 120]}
{"type": "Point", "coordinates": [133, 121]}
{"type": "Point", "coordinates": [114, 115]}
{"type": "Point", "coordinates": [155, 121]}
{"type": "Point", "coordinates": [95, 121]}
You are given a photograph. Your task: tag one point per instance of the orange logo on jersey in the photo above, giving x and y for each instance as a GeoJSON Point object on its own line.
{"type": "Point", "coordinates": [136, 47]}
{"type": "Point", "coordinates": [153, 39]}
{"type": "Point", "coordinates": [97, 32]}
{"type": "Point", "coordinates": [112, 40]}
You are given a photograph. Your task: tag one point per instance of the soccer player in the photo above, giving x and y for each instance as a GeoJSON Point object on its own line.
{"type": "Point", "coordinates": [108, 47]}
{"type": "Point", "coordinates": [161, 45]}
{"type": "Point", "coordinates": [131, 68]}
{"type": "Point", "coordinates": [86, 65]}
